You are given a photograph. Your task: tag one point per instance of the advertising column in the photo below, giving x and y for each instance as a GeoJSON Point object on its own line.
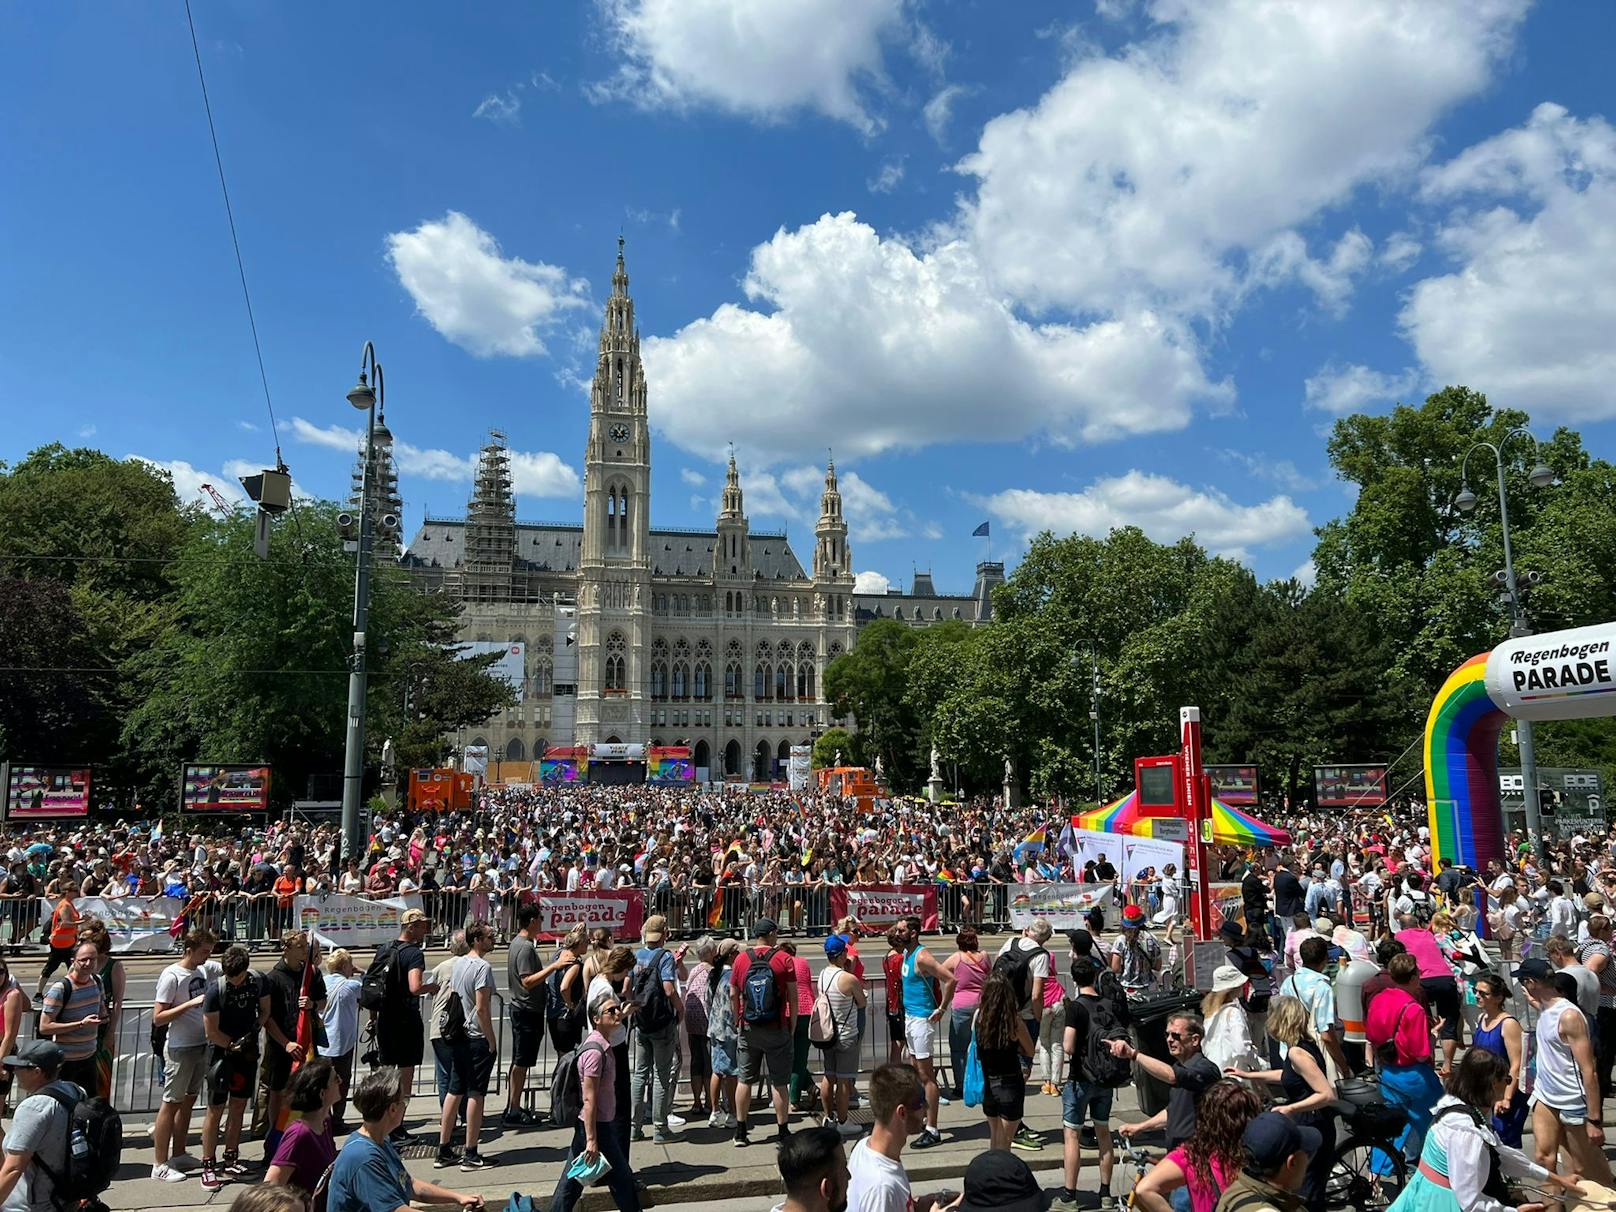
{"type": "Point", "coordinates": [1196, 797]}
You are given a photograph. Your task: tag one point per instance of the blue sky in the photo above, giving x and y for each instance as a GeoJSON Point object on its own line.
{"type": "Point", "coordinates": [1051, 265]}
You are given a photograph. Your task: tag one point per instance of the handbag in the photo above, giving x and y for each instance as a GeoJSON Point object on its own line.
{"type": "Point", "coordinates": [974, 1082]}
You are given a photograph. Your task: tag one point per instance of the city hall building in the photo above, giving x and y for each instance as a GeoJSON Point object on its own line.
{"type": "Point", "coordinates": [616, 631]}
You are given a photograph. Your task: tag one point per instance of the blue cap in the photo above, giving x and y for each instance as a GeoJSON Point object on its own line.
{"type": "Point", "coordinates": [835, 945]}
{"type": "Point", "coordinates": [1271, 1137]}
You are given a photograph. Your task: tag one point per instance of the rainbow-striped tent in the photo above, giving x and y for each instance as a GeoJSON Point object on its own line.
{"type": "Point", "coordinates": [1230, 825]}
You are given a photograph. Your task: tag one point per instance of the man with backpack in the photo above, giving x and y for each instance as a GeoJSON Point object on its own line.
{"type": "Point", "coordinates": [585, 1095]}
{"type": "Point", "coordinates": [654, 989]}
{"type": "Point", "coordinates": [1025, 961]}
{"type": "Point", "coordinates": [391, 990]}
{"type": "Point", "coordinates": [234, 1011]}
{"type": "Point", "coordinates": [1094, 1072]}
{"type": "Point", "coordinates": [41, 1173]}
{"type": "Point", "coordinates": [467, 1027]}
{"type": "Point", "coordinates": [764, 986]}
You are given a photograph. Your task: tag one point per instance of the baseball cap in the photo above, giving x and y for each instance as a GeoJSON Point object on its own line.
{"type": "Point", "coordinates": [410, 916]}
{"type": "Point", "coordinates": [1132, 917]}
{"type": "Point", "coordinates": [1271, 1137]}
{"type": "Point", "coordinates": [1081, 939]}
{"type": "Point", "coordinates": [999, 1181]}
{"type": "Point", "coordinates": [835, 945]}
{"type": "Point", "coordinates": [37, 1054]}
{"type": "Point", "coordinates": [1534, 970]}
{"type": "Point", "coordinates": [656, 929]}
{"type": "Point", "coordinates": [765, 927]}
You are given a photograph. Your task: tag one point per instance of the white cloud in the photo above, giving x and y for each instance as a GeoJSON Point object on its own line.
{"type": "Point", "coordinates": [868, 345]}
{"type": "Point", "coordinates": [939, 111]}
{"type": "Point", "coordinates": [888, 178]}
{"type": "Point", "coordinates": [534, 473]}
{"type": "Point", "coordinates": [1307, 572]}
{"type": "Point", "coordinates": [542, 474]}
{"type": "Point", "coordinates": [474, 296]}
{"type": "Point", "coordinates": [1400, 251]}
{"type": "Point", "coordinates": [1355, 387]}
{"type": "Point", "coordinates": [760, 58]}
{"type": "Point", "coordinates": [1331, 280]}
{"type": "Point", "coordinates": [1528, 313]}
{"type": "Point", "coordinates": [870, 582]}
{"type": "Point", "coordinates": [931, 531]}
{"type": "Point", "coordinates": [500, 108]}
{"type": "Point", "coordinates": [1264, 467]}
{"type": "Point", "coordinates": [692, 477]}
{"type": "Point", "coordinates": [1163, 508]}
{"type": "Point", "coordinates": [188, 481]}
{"type": "Point", "coordinates": [247, 426]}
{"type": "Point", "coordinates": [1149, 176]}
{"type": "Point", "coordinates": [762, 496]}
{"type": "Point", "coordinates": [86, 431]}
{"type": "Point", "coordinates": [653, 218]}
{"type": "Point", "coordinates": [871, 515]}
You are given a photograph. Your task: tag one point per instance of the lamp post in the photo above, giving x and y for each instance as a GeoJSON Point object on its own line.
{"type": "Point", "coordinates": [1094, 714]}
{"type": "Point", "coordinates": [365, 398]}
{"type": "Point", "coordinates": [1541, 476]}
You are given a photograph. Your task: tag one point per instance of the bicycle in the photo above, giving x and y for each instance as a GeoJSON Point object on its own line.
{"type": "Point", "coordinates": [1368, 1170]}
{"type": "Point", "coordinates": [1135, 1157]}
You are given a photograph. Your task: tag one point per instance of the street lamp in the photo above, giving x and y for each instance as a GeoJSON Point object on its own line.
{"type": "Point", "coordinates": [367, 399]}
{"type": "Point", "coordinates": [1541, 476]}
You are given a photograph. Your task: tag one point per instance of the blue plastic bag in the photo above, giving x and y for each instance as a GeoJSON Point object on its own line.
{"type": "Point", "coordinates": [973, 1082]}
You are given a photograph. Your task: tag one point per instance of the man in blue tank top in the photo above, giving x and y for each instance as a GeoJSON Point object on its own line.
{"type": "Point", "coordinates": [926, 989]}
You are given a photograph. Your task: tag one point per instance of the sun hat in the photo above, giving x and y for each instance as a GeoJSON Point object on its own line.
{"type": "Point", "coordinates": [1132, 917]}
{"type": "Point", "coordinates": [1226, 977]}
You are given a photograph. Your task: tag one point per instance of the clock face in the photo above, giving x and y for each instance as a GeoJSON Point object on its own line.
{"type": "Point", "coordinates": [619, 433]}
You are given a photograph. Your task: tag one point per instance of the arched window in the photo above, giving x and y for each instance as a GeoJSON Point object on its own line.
{"type": "Point", "coordinates": [681, 678]}
{"type": "Point", "coordinates": [808, 681]}
{"type": "Point", "coordinates": [704, 677]}
{"type": "Point", "coordinates": [515, 751]}
{"type": "Point", "coordinates": [760, 682]}
{"type": "Point", "coordinates": [804, 672]}
{"type": "Point", "coordinates": [543, 679]}
{"type": "Point", "coordinates": [782, 680]}
{"type": "Point", "coordinates": [616, 664]}
{"type": "Point", "coordinates": [659, 681]}
{"type": "Point", "coordinates": [732, 681]}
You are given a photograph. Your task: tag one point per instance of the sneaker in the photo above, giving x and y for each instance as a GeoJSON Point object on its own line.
{"type": "Point", "coordinates": [445, 1158]}
{"type": "Point", "coordinates": [782, 1132]}
{"type": "Point", "coordinates": [474, 1160]}
{"type": "Point", "coordinates": [401, 1139]}
{"type": "Point", "coordinates": [928, 1139]}
{"type": "Point", "coordinates": [1108, 1202]}
{"type": "Point", "coordinates": [639, 1132]}
{"type": "Point", "coordinates": [1064, 1203]}
{"type": "Point", "coordinates": [740, 1138]}
{"type": "Point", "coordinates": [944, 1100]}
{"type": "Point", "coordinates": [165, 1173]}
{"type": "Point", "coordinates": [664, 1136]}
{"type": "Point", "coordinates": [518, 1118]}
{"type": "Point", "coordinates": [1030, 1141]}
{"type": "Point", "coordinates": [212, 1180]}
{"type": "Point", "coordinates": [676, 1121]}
{"type": "Point", "coordinates": [716, 1120]}
{"type": "Point", "coordinates": [234, 1167]}
{"type": "Point", "coordinates": [730, 1121]}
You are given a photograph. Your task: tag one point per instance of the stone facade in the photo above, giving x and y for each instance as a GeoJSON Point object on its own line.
{"type": "Point", "coordinates": [714, 638]}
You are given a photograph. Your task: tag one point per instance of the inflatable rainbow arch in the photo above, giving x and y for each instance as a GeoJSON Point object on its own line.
{"type": "Point", "coordinates": [1562, 675]}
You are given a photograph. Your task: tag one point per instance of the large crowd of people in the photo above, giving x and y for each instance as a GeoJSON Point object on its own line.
{"type": "Point", "coordinates": [1344, 959]}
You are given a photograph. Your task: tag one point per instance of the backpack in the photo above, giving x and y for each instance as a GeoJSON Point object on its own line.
{"type": "Point", "coordinates": [452, 1020]}
{"type": "Point", "coordinates": [1109, 987]}
{"type": "Point", "coordinates": [567, 1088]}
{"type": "Point", "coordinates": [1016, 964]}
{"type": "Point", "coordinates": [556, 1008]}
{"type": "Point", "coordinates": [377, 985]}
{"type": "Point", "coordinates": [1424, 906]}
{"type": "Point", "coordinates": [823, 1031]}
{"type": "Point", "coordinates": [645, 990]}
{"type": "Point", "coordinates": [760, 993]}
{"type": "Point", "coordinates": [1098, 1066]}
{"type": "Point", "coordinates": [94, 1149]}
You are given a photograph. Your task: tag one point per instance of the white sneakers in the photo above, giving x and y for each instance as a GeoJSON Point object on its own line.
{"type": "Point", "coordinates": [165, 1173]}
{"type": "Point", "coordinates": [718, 1119]}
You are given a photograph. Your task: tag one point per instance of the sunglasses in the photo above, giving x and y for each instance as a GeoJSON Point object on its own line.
{"type": "Point", "coordinates": [611, 1009]}
{"type": "Point", "coordinates": [1181, 1036]}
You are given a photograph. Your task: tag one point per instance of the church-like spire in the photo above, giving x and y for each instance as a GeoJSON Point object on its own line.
{"type": "Point", "coordinates": [831, 556]}
{"type": "Point", "coordinates": [619, 384]}
{"type": "Point", "coordinates": [733, 505]}
{"type": "Point", "coordinates": [620, 274]}
{"type": "Point", "coordinates": [830, 501]}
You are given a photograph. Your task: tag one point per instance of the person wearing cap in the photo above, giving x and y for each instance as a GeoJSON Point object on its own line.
{"type": "Point", "coordinates": [765, 1034]}
{"type": "Point", "coordinates": [40, 1128]}
{"type": "Point", "coordinates": [400, 1038]}
{"type": "Point", "coordinates": [1275, 1151]}
{"type": "Point", "coordinates": [1136, 955]}
{"type": "Point", "coordinates": [998, 1181]}
{"type": "Point", "coordinates": [655, 1049]}
{"type": "Point", "coordinates": [813, 1166]}
{"type": "Point", "coordinates": [844, 993]}
{"type": "Point", "coordinates": [1567, 1111]}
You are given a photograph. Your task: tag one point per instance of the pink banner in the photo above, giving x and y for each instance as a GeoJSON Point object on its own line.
{"type": "Point", "coordinates": [881, 905]}
{"type": "Point", "coordinates": [622, 911]}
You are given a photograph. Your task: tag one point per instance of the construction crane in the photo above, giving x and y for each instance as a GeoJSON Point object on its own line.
{"type": "Point", "coordinates": [219, 502]}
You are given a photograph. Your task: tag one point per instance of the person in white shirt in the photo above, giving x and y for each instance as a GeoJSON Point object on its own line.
{"type": "Point", "coordinates": [877, 1180]}
{"type": "Point", "coordinates": [341, 1020]}
{"type": "Point", "coordinates": [1562, 911]}
{"type": "Point", "coordinates": [177, 1006]}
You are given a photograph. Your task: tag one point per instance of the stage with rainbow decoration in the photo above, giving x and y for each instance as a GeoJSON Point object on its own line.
{"type": "Point", "coordinates": [1231, 826]}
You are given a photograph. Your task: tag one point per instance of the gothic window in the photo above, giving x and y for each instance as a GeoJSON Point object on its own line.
{"type": "Point", "coordinates": [732, 681]}
{"type": "Point", "coordinates": [834, 651]}
{"type": "Point", "coordinates": [808, 681]}
{"type": "Point", "coordinates": [515, 751]}
{"type": "Point", "coordinates": [782, 681]}
{"type": "Point", "coordinates": [542, 679]}
{"type": "Point", "coordinates": [659, 680]}
{"type": "Point", "coordinates": [760, 682]}
{"type": "Point", "coordinates": [733, 648]}
{"type": "Point", "coordinates": [619, 380]}
{"type": "Point", "coordinates": [616, 664]}
{"type": "Point", "coordinates": [704, 648]}
{"type": "Point", "coordinates": [681, 677]}
{"type": "Point", "coordinates": [704, 679]}
{"type": "Point", "coordinates": [804, 672]}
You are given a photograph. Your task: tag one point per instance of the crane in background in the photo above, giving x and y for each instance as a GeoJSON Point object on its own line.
{"type": "Point", "coordinates": [219, 502]}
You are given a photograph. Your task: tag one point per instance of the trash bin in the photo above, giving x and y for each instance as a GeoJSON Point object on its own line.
{"type": "Point", "coordinates": [1150, 1015]}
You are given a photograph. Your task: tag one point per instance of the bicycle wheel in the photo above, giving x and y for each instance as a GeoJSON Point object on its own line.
{"type": "Point", "coordinates": [1366, 1174]}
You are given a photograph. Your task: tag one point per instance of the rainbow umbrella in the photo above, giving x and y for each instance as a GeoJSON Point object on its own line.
{"type": "Point", "coordinates": [1231, 826]}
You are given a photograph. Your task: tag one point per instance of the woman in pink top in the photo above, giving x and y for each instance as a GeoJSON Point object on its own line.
{"type": "Point", "coordinates": [1051, 1033]}
{"type": "Point", "coordinates": [803, 1094]}
{"type": "Point", "coordinates": [969, 966]}
{"type": "Point", "coordinates": [1210, 1158]}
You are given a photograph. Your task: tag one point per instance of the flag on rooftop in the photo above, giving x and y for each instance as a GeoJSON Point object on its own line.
{"type": "Point", "coordinates": [981, 532]}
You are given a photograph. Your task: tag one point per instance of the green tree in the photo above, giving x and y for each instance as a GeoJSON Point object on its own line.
{"type": "Point", "coordinates": [835, 741]}
{"type": "Point", "coordinates": [55, 685]}
{"type": "Point", "coordinates": [869, 684]}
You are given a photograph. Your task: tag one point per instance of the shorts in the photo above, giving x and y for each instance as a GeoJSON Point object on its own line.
{"type": "Point", "coordinates": [1571, 1119]}
{"type": "Point", "coordinates": [772, 1045]}
{"type": "Point", "coordinates": [183, 1071]}
{"type": "Point", "coordinates": [841, 1061]}
{"type": "Point", "coordinates": [527, 1030]}
{"type": "Point", "coordinates": [1444, 994]}
{"type": "Point", "coordinates": [277, 1068]}
{"type": "Point", "coordinates": [469, 1064]}
{"type": "Point", "coordinates": [917, 1033]}
{"type": "Point", "coordinates": [1004, 1097]}
{"type": "Point", "coordinates": [723, 1053]}
{"type": "Point", "coordinates": [1082, 1104]}
{"type": "Point", "coordinates": [400, 1040]}
{"type": "Point", "coordinates": [231, 1075]}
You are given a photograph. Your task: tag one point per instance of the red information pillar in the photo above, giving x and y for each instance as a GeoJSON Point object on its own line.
{"type": "Point", "coordinates": [1196, 790]}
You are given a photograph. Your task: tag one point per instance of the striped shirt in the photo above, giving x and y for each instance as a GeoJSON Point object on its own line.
{"type": "Point", "coordinates": [1607, 974]}
{"type": "Point", "coordinates": [82, 1002]}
